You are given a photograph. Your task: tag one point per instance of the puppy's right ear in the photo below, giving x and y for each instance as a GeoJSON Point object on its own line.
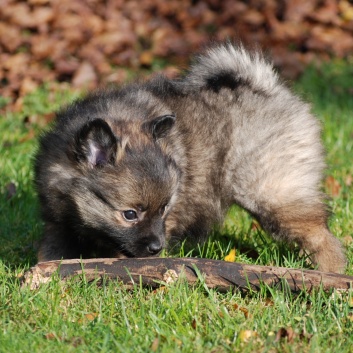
{"type": "Point", "coordinates": [160, 126]}
{"type": "Point", "coordinates": [95, 143]}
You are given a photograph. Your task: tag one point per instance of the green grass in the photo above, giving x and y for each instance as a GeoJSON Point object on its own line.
{"type": "Point", "coordinates": [77, 316]}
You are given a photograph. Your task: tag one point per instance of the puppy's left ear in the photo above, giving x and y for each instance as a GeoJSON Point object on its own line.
{"type": "Point", "coordinates": [160, 127]}
{"type": "Point", "coordinates": [95, 144]}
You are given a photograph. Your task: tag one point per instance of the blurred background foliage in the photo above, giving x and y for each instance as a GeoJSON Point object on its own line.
{"type": "Point", "coordinates": [88, 43]}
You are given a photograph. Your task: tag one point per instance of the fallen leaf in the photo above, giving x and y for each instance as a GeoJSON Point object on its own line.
{"type": "Point", "coordinates": [29, 136]}
{"type": "Point", "coordinates": [171, 72]}
{"type": "Point", "coordinates": [28, 85]}
{"type": "Point", "coordinates": [42, 15]}
{"type": "Point", "coordinates": [20, 275]}
{"type": "Point", "coordinates": [177, 341]}
{"type": "Point", "coordinates": [287, 333]}
{"type": "Point", "coordinates": [155, 345]}
{"type": "Point", "coordinates": [243, 310]}
{"type": "Point", "coordinates": [332, 39]}
{"type": "Point", "coordinates": [247, 335]}
{"type": "Point", "coordinates": [20, 14]}
{"type": "Point", "coordinates": [347, 240]}
{"type": "Point", "coordinates": [38, 2]}
{"type": "Point", "coordinates": [119, 76]}
{"type": "Point", "coordinates": [346, 10]}
{"type": "Point", "coordinates": [327, 13]}
{"type": "Point", "coordinates": [297, 10]}
{"type": "Point", "coordinates": [85, 76]}
{"type": "Point", "coordinates": [42, 47]}
{"type": "Point", "coordinates": [333, 186]}
{"type": "Point", "coordinates": [18, 105]}
{"type": "Point", "coordinates": [66, 66]}
{"type": "Point", "coordinates": [10, 37]}
{"type": "Point", "coordinates": [17, 63]}
{"type": "Point", "coordinates": [161, 289]}
{"type": "Point", "coordinates": [269, 302]}
{"type": "Point", "coordinates": [255, 225]}
{"type": "Point", "coordinates": [304, 336]}
{"type": "Point", "coordinates": [76, 341]}
{"type": "Point", "coordinates": [349, 180]}
{"type": "Point", "coordinates": [91, 316]}
{"type": "Point", "coordinates": [231, 256]}
{"type": "Point", "coordinates": [88, 318]}
{"type": "Point", "coordinates": [146, 58]}
{"type": "Point", "coordinates": [38, 119]}
{"type": "Point", "coordinates": [254, 18]}
{"type": "Point", "coordinates": [46, 118]}
{"type": "Point", "coordinates": [50, 336]}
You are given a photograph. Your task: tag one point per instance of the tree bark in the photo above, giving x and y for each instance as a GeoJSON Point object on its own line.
{"type": "Point", "coordinates": [155, 272]}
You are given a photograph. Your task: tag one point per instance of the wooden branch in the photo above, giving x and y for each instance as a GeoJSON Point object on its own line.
{"type": "Point", "coordinates": [217, 274]}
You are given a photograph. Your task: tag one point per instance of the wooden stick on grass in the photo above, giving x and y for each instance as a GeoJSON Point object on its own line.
{"type": "Point", "coordinates": [154, 272]}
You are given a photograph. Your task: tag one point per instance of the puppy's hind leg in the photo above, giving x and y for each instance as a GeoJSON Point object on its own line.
{"type": "Point", "coordinates": [288, 204]}
{"type": "Point", "coordinates": [278, 180]}
{"type": "Point", "coordinates": [305, 224]}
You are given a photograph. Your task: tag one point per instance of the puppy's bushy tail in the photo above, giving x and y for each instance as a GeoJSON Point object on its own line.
{"type": "Point", "coordinates": [230, 66]}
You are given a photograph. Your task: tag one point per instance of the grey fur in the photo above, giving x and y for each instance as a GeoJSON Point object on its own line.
{"type": "Point", "coordinates": [239, 136]}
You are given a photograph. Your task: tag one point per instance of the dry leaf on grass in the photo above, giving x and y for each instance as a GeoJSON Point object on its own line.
{"type": "Point", "coordinates": [231, 256]}
{"type": "Point", "coordinates": [243, 310]}
{"type": "Point", "coordinates": [349, 180]}
{"type": "Point", "coordinates": [247, 335]}
{"type": "Point", "coordinates": [347, 240]}
{"type": "Point", "coordinates": [50, 336]}
{"type": "Point", "coordinates": [285, 333]}
{"type": "Point", "coordinates": [155, 345]}
{"type": "Point", "coordinates": [333, 186]}
{"type": "Point", "coordinates": [88, 318]}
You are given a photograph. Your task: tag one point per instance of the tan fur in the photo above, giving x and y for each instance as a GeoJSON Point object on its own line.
{"type": "Point", "coordinates": [227, 132]}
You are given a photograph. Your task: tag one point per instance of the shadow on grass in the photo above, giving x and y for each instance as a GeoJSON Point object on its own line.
{"type": "Point", "coordinates": [20, 228]}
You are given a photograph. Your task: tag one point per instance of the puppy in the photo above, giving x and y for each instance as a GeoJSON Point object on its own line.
{"type": "Point", "coordinates": [124, 172]}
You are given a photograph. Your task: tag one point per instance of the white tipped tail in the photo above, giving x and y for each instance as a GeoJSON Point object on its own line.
{"type": "Point", "coordinates": [236, 62]}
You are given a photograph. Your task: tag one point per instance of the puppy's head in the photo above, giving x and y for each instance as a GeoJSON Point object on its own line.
{"type": "Point", "coordinates": [126, 186]}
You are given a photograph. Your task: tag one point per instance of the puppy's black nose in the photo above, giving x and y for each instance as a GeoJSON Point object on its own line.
{"type": "Point", "coordinates": [154, 248]}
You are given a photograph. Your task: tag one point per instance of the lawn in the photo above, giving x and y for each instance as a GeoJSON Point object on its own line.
{"type": "Point", "coordinates": [78, 316]}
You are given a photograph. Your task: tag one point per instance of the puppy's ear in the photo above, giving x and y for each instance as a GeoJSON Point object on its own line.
{"type": "Point", "coordinates": [159, 127]}
{"type": "Point", "coordinates": [95, 143]}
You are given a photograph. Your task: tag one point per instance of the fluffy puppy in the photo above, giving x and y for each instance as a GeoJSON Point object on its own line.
{"type": "Point", "coordinates": [124, 171]}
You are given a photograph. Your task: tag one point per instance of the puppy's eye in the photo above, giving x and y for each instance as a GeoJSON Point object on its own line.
{"type": "Point", "coordinates": [130, 215]}
{"type": "Point", "coordinates": [163, 209]}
